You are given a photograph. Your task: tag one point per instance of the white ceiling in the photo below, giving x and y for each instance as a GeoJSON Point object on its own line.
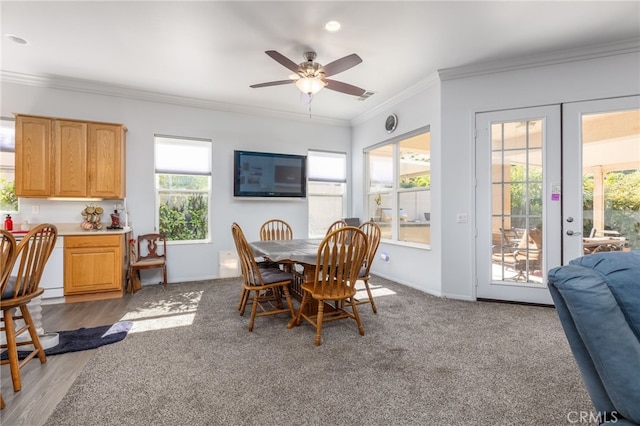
{"type": "Point", "coordinates": [213, 50]}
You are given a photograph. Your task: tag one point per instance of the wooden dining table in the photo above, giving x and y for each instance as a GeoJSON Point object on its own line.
{"type": "Point", "coordinates": [302, 252]}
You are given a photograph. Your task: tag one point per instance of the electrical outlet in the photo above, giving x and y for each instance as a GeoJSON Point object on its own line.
{"type": "Point", "coordinates": [35, 209]}
{"type": "Point", "coordinates": [462, 218]}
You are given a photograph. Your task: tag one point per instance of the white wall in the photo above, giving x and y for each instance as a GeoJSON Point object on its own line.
{"type": "Point", "coordinates": [447, 269]}
{"type": "Point", "coordinates": [415, 267]}
{"type": "Point", "coordinates": [449, 107]}
{"type": "Point", "coordinates": [228, 130]}
{"type": "Point", "coordinates": [577, 80]}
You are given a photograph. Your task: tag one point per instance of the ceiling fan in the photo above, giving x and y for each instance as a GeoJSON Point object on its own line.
{"type": "Point", "coordinates": [310, 77]}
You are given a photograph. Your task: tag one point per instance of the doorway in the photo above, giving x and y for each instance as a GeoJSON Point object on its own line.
{"type": "Point", "coordinates": [553, 183]}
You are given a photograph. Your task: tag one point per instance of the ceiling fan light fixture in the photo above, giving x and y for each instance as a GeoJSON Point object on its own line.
{"type": "Point", "coordinates": [310, 85]}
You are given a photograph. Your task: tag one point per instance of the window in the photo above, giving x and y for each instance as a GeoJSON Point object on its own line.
{"type": "Point", "coordinates": [183, 187]}
{"type": "Point", "coordinates": [399, 183]}
{"type": "Point", "coordinates": [8, 199]}
{"type": "Point", "coordinates": [326, 190]}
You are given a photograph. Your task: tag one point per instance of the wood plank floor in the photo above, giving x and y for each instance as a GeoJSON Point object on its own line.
{"type": "Point", "coordinates": [44, 385]}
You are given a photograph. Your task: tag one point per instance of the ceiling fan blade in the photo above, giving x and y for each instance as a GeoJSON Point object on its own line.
{"type": "Point", "coordinates": [283, 60]}
{"type": "Point", "coordinates": [339, 86]}
{"type": "Point", "coordinates": [272, 83]}
{"type": "Point", "coordinates": [341, 64]}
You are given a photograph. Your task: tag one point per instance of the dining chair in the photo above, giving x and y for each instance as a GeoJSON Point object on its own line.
{"type": "Point", "coordinates": [266, 283]}
{"type": "Point", "coordinates": [372, 231]}
{"type": "Point", "coordinates": [275, 229]}
{"type": "Point", "coordinates": [18, 290]}
{"type": "Point", "coordinates": [339, 259]}
{"type": "Point", "coordinates": [8, 248]}
{"type": "Point", "coordinates": [151, 254]}
{"type": "Point", "coordinates": [336, 225]}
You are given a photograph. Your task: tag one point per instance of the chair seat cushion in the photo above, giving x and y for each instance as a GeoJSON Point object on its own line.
{"type": "Point", "coordinates": [272, 275]}
{"type": "Point", "coordinates": [363, 272]}
{"type": "Point", "coordinates": [9, 289]}
{"type": "Point", "coordinates": [149, 262]}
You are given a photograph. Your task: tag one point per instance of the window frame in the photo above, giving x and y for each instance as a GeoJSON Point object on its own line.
{"type": "Point", "coordinates": [183, 171]}
{"type": "Point", "coordinates": [4, 123]}
{"type": "Point", "coordinates": [394, 192]}
{"type": "Point", "coordinates": [331, 179]}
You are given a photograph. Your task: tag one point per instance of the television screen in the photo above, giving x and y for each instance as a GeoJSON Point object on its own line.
{"type": "Point", "coordinates": [266, 174]}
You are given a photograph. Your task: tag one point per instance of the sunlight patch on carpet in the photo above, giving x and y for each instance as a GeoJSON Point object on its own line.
{"type": "Point", "coordinates": [176, 310]}
{"type": "Point", "coordinates": [376, 290]}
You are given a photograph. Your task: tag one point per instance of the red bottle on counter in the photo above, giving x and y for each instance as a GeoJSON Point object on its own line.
{"type": "Point", "coordinates": [8, 223]}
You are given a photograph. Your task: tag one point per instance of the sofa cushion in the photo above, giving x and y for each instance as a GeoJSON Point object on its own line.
{"type": "Point", "coordinates": [622, 272]}
{"type": "Point", "coordinates": [597, 298]}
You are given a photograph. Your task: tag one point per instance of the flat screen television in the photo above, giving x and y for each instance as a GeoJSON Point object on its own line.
{"type": "Point", "coordinates": [267, 174]}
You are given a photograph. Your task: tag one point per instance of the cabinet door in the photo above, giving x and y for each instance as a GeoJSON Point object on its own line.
{"type": "Point", "coordinates": [70, 166]}
{"type": "Point", "coordinates": [106, 160]}
{"type": "Point", "coordinates": [33, 157]}
{"type": "Point", "coordinates": [92, 264]}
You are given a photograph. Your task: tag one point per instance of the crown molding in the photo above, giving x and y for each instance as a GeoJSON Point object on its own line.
{"type": "Point", "coordinates": [431, 80]}
{"type": "Point", "coordinates": [545, 59]}
{"type": "Point", "coordinates": [98, 88]}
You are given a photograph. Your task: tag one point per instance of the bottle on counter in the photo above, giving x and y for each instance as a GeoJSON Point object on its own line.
{"type": "Point", "coordinates": [8, 223]}
{"type": "Point", "coordinates": [24, 226]}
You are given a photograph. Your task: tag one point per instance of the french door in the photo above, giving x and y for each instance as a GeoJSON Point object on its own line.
{"type": "Point", "coordinates": [517, 202]}
{"type": "Point", "coordinates": [604, 135]}
{"type": "Point", "coordinates": [553, 183]}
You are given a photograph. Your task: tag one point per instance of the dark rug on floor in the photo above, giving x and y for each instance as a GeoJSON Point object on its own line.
{"type": "Point", "coordinates": [83, 339]}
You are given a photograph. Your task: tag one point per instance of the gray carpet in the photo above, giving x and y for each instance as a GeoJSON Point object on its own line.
{"type": "Point", "coordinates": [423, 361]}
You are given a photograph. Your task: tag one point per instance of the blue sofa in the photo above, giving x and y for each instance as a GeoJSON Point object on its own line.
{"type": "Point", "coordinates": [597, 298]}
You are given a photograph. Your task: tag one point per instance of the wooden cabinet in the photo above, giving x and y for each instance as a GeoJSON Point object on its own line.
{"type": "Point", "coordinates": [106, 160]}
{"type": "Point", "coordinates": [33, 157]}
{"type": "Point", "coordinates": [69, 158]}
{"type": "Point", "coordinates": [94, 265]}
{"type": "Point", "coordinates": [70, 165]}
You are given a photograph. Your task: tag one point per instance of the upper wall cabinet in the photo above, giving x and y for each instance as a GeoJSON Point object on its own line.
{"type": "Point", "coordinates": [69, 158]}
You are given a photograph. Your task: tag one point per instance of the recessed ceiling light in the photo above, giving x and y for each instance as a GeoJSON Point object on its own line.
{"type": "Point", "coordinates": [18, 40]}
{"type": "Point", "coordinates": [332, 26]}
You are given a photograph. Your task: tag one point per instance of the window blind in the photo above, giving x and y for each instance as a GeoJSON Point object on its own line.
{"type": "Point", "coordinates": [182, 156]}
{"type": "Point", "coordinates": [326, 166]}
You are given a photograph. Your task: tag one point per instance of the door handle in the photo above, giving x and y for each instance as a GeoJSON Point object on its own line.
{"type": "Point", "coordinates": [571, 233]}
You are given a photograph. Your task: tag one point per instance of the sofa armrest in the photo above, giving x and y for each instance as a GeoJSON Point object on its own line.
{"type": "Point", "coordinates": [601, 338]}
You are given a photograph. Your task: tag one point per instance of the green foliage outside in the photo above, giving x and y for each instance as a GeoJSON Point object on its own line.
{"type": "Point", "coordinates": [8, 199]}
{"type": "Point", "coordinates": [415, 181]}
{"type": "Point", "coordinates": [183, 215]}
{"type": "Point", "coordinates": [621, 204]}
{"type": "Point", "coordinates": [621, 199]}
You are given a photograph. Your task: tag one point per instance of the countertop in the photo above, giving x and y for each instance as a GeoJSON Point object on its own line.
{"type": "Point", "coordinates": [75, 229]}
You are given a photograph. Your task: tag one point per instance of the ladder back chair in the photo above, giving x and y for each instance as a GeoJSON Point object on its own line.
{"type": "Point", "coordinates": [338, 262]}
{"type": "Point", "coordinates": [336, 225]}
{"type": "Point", "coordinates": [151, 254]}
{"type": "Point", "coordinates": [275, 229]}
{"type": "Point", "coordinates": [18, 290]}
{"type": "Point", "coordinates": [372, 231]}
{"type": "Point", "coordinates": [266, 283]}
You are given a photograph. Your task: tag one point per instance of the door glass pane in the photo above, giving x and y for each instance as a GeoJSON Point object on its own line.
{"type": "Point", "coordinates": [517, 201]}
{"type": "Point", "coordinates": [611, 181]}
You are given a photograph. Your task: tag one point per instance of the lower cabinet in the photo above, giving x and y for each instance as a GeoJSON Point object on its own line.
{"type": "Point", "coordinates": [93, 267]}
